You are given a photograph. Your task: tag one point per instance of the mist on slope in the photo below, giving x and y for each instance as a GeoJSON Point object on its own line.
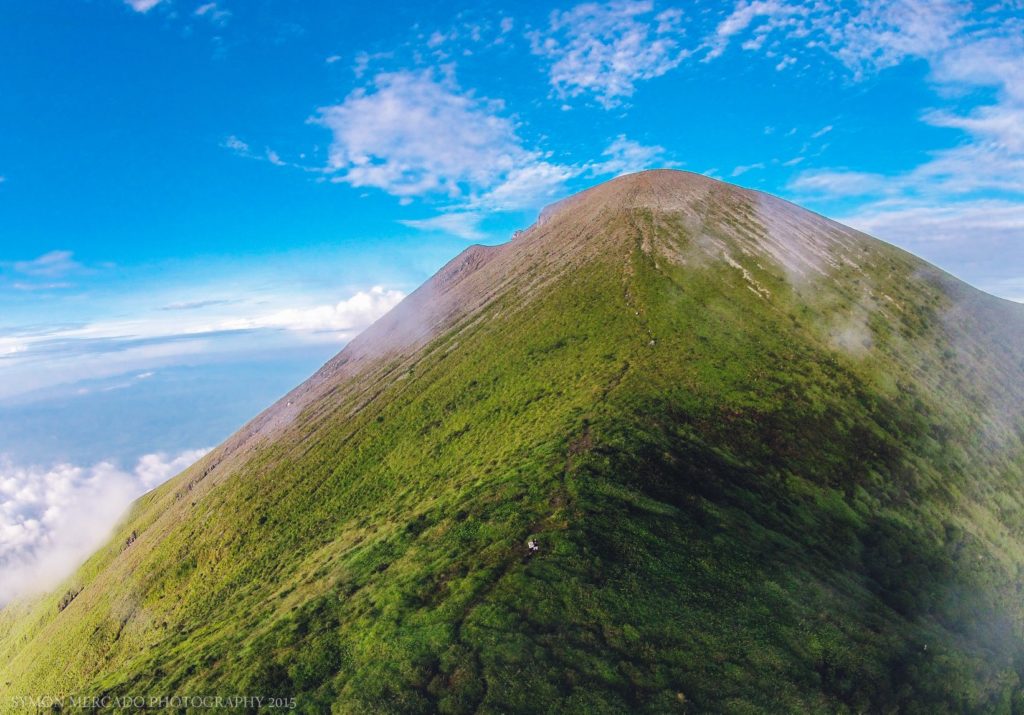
{"type": "Point", "coordinates": [52, 519]}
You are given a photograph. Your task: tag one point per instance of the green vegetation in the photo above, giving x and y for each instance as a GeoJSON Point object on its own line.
{"type": "Point", "coordinates": [753, 492]}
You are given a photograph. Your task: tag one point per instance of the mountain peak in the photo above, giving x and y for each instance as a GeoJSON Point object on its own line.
{"type": "Point", "coordinates": [575, 471]}
{"type": "Point", "coordinates": [709, 219]}
{"type": "Point", "coordinates": [658, 189]}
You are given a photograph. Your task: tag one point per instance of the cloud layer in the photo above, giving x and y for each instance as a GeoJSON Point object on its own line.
{"type": "Point", "coordinates": [346, 316]}
{"type": "Point", "coordinates": [41, 356]}
{"type": "Point", "coordinates": [51, 520]}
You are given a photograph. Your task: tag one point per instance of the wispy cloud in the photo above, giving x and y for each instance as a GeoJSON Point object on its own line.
{"type": "Point", "coordinates": [471, 30]}
{"type": "Point", "coordinates": [346, 316]}
{"type": "Point", "coordinates": [243, 149]}
{"type": "Point", "coordinates": [142, 5]}
{"type": "Point", "coordinates": [864, 36]}
{"type": "Point", "coordinates": [965, 203]}
{"type": "Point", "coordinates": [24, 286]}
{"type": "Point", "coordinates": [43, 356]}
{"type": "Point", "coordinates": [274, 158]}
{"type": "Point", "coordinates": [464, 224]}
{"type": "Point", "coordinates": [774, 14]}
{"type": "Point", "coordinates": [48, 272]}
{"type": "Point", "coordinates": [971, 191]}
{"type": "Point", "coordinates": [840, 183]}
{"type": "Point", "coordinates": [979, 239]}
{"type": "Point", "coordinates": [11, 346]}
{"type": "Point", "coordinates": [605, 49]}
{"type": "Point", "coordinates": [536, 183]}
{"type": "Point", "coordinates": [51, 519]}
{"type": "Point", "coordinates": [196, 304]}
{"type": "Point", "coordinates": [624, 156]}
{"type": "Point", "coordinates": [54, 264]}
{"type": "Point", "coordinates": [418, 134]}
{"type": "Point", "coordinates": [744, 168]}
{"type": "Point", "coordinates": [916, 223]}
{"type": "Point", "coordinates": [237, 145]}
{"type": "Point", "coordinates": [214, 13]}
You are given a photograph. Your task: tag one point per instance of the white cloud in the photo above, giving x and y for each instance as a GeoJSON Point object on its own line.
{"type": "Point", "coordinates": [1009, 288]}
{"type": "Point", "coordinates": [604, 49]}
{"type": "Point", "coordinates": [155, 469]}
{"type": "Point", "coordinates": [980, 239]}
{"type": "Point", "coordinates": [168, 333]}
{"type": "Point", "coordinates": [959, 181]}
{"type": "Point", "coordinates": [413, 134]}
{"type": "Point", "coordinates": [785, 62]}
{"type": "Point", "coordinates": [418, 133]}
{"type": "Point", "coordinates": [184, 319]}
{"type": "Point", "coordinates": [363, 60]}
{"type": "Point", "coordinates": [527, 186]}
{"type": "Point", "coordinates": [464, 224]}
{"type": "Point", "coordinates": [237, 145]}
{"type": "Point", "coordinates": [213, 12]}
{"type": "Point", "coordinates": [347, 316]}
{"type": "Point", "coordinates": [992, 155]}
{"type": "Point", "coordinates": [625, 156]}
{"type": "Point", "coordinates": [839, 183]}
{"type": "Point", "coordinates": [142, 5]}
{"type": "Point", "coordinates": [49, 265]}
{"type": "Point", "coordinates": [743, 169]}
{"type": "Point", "coordinates": [920, 222]}
{"type": "Point", "coordinates": [196, 304]}
{"type": "Point", "coordinates": [882, 34]}
{"type": "Point", "coordinates": [964, 205]}
{"type": "Point", "coordinates": [51, 520]}
{"type": "Point", "coordinates": [10, 346]}
{"type": "Point", "coordinates": [745, 13]}
{"type": "Point", "coordinates": [864, 36]}
{"type": "Point", "coordinates": [243, 149]}
{"type": "Point", "coordinates": [274, 158]}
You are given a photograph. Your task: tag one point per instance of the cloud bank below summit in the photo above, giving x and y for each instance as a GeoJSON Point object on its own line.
{"type": "Point", "coordinates": [52, 519]}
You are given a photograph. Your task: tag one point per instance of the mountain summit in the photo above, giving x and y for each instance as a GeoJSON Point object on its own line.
{"type": "Point", "coordinates": [677, 447]}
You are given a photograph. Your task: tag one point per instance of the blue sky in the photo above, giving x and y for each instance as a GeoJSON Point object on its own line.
{"type": "Point", "coordinates": [202, 201]}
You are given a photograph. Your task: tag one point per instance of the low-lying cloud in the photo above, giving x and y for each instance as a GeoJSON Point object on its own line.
{"type": "Point", "coordinates": [346, 316]}
{"type": "Point", "coordinates": [151, 337]}
{"type": "Point", "coordinates": [52, 519]}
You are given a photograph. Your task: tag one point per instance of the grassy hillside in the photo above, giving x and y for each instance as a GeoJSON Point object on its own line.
{"type": "Point", "coordinates": [772, 465]}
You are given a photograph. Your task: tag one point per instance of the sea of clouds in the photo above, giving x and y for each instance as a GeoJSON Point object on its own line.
{"type": "Point", "coordinates": [52, 519]}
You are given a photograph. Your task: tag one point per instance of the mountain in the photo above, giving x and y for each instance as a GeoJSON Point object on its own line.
{"type": "Point", "coordinates": [770, 464]}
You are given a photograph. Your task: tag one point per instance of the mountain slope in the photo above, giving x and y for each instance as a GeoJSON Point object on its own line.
{"type": "Point", "coordinates": [772, 465]}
